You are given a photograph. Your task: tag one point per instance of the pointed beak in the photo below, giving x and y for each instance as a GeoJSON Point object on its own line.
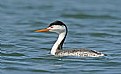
{"type": "Point", "coordinates": [43, 30]}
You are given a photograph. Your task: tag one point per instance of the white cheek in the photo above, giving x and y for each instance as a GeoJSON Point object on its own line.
{"type": "Point", "coordinates": [57, 29]}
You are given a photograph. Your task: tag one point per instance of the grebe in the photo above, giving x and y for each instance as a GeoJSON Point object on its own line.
{"type": "Point", "coordinates": [61, 29]}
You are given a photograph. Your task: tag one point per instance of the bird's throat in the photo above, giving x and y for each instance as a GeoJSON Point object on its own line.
{"type": "Point", "coordinates": [59, 43]}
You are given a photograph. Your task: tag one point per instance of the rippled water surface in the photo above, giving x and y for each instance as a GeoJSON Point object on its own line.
{"type": "Point", "coordinates": [92, 24]}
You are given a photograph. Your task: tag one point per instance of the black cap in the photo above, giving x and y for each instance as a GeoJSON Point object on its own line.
{"type": "Point", "coordinates": [57, 23]}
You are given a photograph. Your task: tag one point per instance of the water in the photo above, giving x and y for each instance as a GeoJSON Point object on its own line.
{"type": "Point", "coordinates": [92, 24]}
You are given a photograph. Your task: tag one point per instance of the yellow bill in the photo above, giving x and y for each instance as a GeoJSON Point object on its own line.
{"type": "Point", "coordinates": [42, 30]}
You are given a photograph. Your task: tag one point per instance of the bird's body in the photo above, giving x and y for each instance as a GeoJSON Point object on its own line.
{"type": "Point", "coordinates": [79, 52]}
{"type": "Point", "coordinates": [61, 29]}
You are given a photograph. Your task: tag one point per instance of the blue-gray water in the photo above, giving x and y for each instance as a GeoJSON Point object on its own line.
{"type": "Point", "coordinates": [92, 24]}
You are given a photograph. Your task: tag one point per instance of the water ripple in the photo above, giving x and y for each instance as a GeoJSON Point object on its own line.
{"type": "Point", "coordinates": [85, 16]}
{"type": "Point", "coordinates": [92, 24]}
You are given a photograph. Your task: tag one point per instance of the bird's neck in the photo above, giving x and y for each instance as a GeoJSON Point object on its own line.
{"type": "Point", "coordinates": [59, 43]}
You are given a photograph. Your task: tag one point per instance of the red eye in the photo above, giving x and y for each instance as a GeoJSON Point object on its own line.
{"type": "Point", "coordinates": [51, 27]}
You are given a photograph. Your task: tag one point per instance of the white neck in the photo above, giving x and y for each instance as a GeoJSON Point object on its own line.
{"type": "Point", "coordinates": [57, 43]}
